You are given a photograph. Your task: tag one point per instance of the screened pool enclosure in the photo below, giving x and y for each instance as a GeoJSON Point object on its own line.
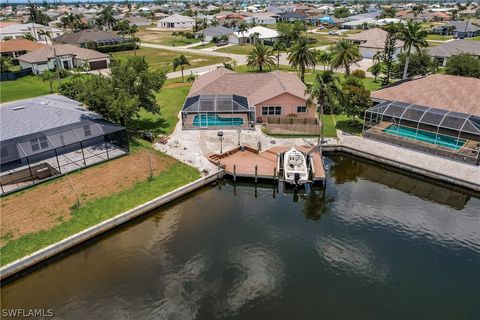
{"type": "Point", "coordinates": [217, 112]}
{"type": "Point", "coordinates": [445, 133]}
{"type": "Point", "coordinates": [29, 159]}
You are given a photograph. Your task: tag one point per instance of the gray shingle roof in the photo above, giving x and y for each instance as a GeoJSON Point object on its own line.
{"type": "Point", "coordinates": [217, 31]}
{"type": "Point", "coordinates": [85, 36]}
{"type": "Point", "coordinates": [33, 115]}
{"type": "Point", "coordinates": [455, 47]}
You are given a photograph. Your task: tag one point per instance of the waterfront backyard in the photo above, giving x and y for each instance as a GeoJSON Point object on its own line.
{"type": "Point", "coordinates": [57, 209]}
{"type": "Point", "coordinates": [374, 243]}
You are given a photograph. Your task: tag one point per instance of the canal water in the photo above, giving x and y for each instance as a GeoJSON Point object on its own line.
{"type": "Point", "coordinates": [376, 244]}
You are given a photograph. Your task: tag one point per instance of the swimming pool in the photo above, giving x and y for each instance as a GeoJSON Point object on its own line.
{"type": "Point", "coordinates": [210, 120]}
{"type": "Point", "coordinates": [425, 136]}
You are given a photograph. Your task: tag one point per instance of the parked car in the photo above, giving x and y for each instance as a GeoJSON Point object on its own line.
{"type": "Point", "coordinates": [333, 33]}
{"type": "Point", "coordinates": [222, 43]}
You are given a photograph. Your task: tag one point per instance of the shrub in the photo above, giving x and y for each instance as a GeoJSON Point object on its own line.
{"type": "Point", "coordinates": [118, 47]}
{"type": "Point", "coordinates": [360, 74]}
{"type": "Point", "coordinates": [464, 64]}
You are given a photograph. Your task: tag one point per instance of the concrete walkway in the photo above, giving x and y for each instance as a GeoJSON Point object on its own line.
{"type": "Point", "coordinates": [424, 161]}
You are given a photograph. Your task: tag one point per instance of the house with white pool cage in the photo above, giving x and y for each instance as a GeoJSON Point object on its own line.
{"type": "Point", "coordinates": [48, 136]}
{"type": "Point", "coordinates": [223, 99]}
{"type": "Point", "coordinates": [437, 114]}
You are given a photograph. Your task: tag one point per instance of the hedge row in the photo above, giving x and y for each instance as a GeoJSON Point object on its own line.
{"type": "Point", "coordinates": [118, 47]}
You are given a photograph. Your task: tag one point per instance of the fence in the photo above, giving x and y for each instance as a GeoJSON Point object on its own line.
{"type": "Point", "coordinates": [5, 76]}
{"type": "Point", "coordinates": [292, 125]}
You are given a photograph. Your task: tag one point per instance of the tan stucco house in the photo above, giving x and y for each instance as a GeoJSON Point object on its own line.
{"type": "Point", "coordinates": [245, 97]}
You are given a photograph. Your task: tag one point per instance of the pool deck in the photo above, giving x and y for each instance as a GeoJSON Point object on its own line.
{"type": "Point", "coordinates": [242, 163]}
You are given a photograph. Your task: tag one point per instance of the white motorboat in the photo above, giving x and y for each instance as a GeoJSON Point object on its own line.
{"type": "Point", "coordinates": [295, 168]}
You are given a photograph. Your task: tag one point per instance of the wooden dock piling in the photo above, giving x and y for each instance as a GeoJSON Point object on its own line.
{"type": "Point", "coordinates": [256, 173]}
{"type": "Point", "coordinates": [234, 172]}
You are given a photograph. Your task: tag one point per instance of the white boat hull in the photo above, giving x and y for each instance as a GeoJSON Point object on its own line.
{"type": "Point", "coordinates": [295, 169]}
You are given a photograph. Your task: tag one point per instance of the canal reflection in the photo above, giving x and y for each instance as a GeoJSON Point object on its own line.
{"type": "Point", "coordinates": [348, 169]}
{"type": "Point", "coordinates": [364, 247]}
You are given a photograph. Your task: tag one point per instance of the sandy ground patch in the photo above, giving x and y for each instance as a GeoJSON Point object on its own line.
{"type": "Point", "coordinates": [48, 204]}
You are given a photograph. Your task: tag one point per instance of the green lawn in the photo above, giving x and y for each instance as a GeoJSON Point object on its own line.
{"type": "Point", "coordinates": [341, 122]}
{"type": "Point", "coordinates": [438, 37]}
{"type": "Point", "coordinates": [163, 37]}
{"type": "Point", "coordinates": [170, 98]}
{"type": "Point", "coordinates": [473, 38]}
{"type": "Point", "coordinates": [26, 87]}
{"type": "Point", "coordinates": [158, 58]}
{"type": "Point", "coordinates": [101, 209]}
{"type": "Point", "coordinates": [344, 123]}
{"type": "Point", "coordinates": [237, 49]}
{"type": "Point", "coordinates": [329, 129]}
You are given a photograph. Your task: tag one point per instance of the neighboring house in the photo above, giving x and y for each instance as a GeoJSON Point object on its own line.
{"type": "Point", "coordinates": [16, 31]}
{"type": "Point", "coordinates": [373, 40]}
{"type": "Point", "coordinates": [214, 32]}
{"type": "Point", "coordinates": [253, 96]}
{"type": "Point", "coordinates": [139, 21]}
{"type": "Point", "coordinates": [437, 114]}
{"type": "Point", "coordinates": [447, 92]}
{"type": "Point", "coordinates": [444, 51]}
{"type": "Point", "coordinates": [362, 16]}
{"type": "Point", "coordinates": [51, 135]}
{"type": "Point", "coordinates": [359, 24]}
{"type": "Point", "coordinates": [262, 18]}
{"type": "Point", "coordinates": [17, 47]}
{"type": "Point", "coordinates": [254, 35]}
{"type": "Point", "coordinates": [81, 38]}
{"type": "Point", "coordinates": [176, 21]}
{"type": "Point", "coordinates": [292, 16]}
{"type": "Point", "coordinates": [459, 29]}
{"type": "Point", "coordinates": [69, 57]}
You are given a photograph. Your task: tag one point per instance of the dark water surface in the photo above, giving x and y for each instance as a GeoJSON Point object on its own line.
{"type": "Point", "coordinates": [376, 245]}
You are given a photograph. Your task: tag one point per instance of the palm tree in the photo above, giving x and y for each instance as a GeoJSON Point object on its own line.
{"type": "Point", "coordinates": [412, 35]}
{"type": "Point", "coordinates": [324, 57]}
{"type": "Point", "coordinates": [49, 76]}
{"type": "Point", "coordinates": [242, 28]}
{"type": "Point", "coordinates": [132, 31]}
{"type": "Point", "coordinates": [279, 47]}
{"type": "Point", "coordinates": [345, 53]}
{"type": "Point", "coordinates": [71, 20]}
{"type": "Point", "coordinates": [106, 17]}
{"type": "Point", "coordinates": [254, 37]}
{"type": "Point", "coordinates": [214, 22]}
{"type": "Point", "coordinates": [326, 90]}
{"type": "Point", "coordinates": [377, 57]}
{"type": "Point", "coordinates": [301, 56]}
{"type": "Point", "coordinates": [261, 57]}
{"type": "Point", "coordinates": [57, 61]}
{"type": "Point", "coordinates": [181, 62]}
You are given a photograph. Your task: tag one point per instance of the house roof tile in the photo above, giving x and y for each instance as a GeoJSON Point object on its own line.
{"type": "Point", "coordinates": [257, 87]}
{"type": "Point", "coordinates": [453, 93]}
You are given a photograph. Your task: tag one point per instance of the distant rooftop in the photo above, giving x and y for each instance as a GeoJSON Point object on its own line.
{"type": "Point", "coordinates": [456, 47]}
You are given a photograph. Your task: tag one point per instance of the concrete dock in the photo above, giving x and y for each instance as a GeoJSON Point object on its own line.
{"type": "Point", "coordinates": [251, 163]}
